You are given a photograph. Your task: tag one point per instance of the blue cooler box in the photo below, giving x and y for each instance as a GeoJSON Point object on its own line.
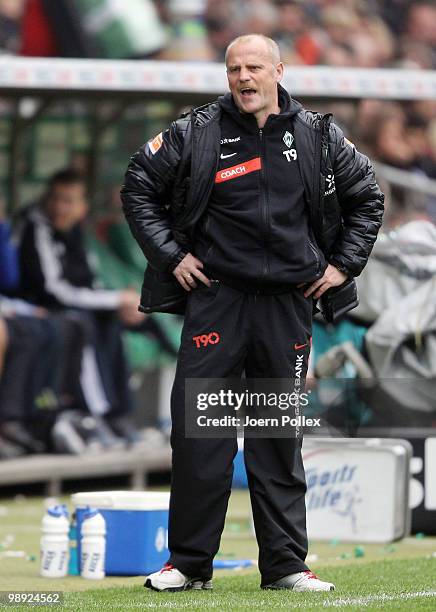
{"type": "Point", "coordinates": [136, 529]}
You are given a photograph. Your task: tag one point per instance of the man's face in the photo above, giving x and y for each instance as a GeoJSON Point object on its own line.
{"type": "Point", "coordinates": [66, 205]}
{"type": "Point", "coordinates": [253, 76]}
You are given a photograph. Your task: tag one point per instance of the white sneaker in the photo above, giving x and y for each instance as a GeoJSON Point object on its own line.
{"type": "Point", "coordinates": [308, 581]}
{"type": "Point", "coordinates": [301, 582]}
{"type": "Point", "coordinates": [170, 579]}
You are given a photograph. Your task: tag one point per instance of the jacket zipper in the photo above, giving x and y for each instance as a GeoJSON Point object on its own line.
{"type": "Point", "coordinates": [322, 153]}
{"type": "Point", "coordinates": [201, 208]}
{"type": "Point", "coordinates": [317, 186]}
{"type": "Point", "coordinates": [263, 205]}
{"type": "Point", "coordinates": [209, 238]}
{"type": "Point", "coordinates": [207, 224]}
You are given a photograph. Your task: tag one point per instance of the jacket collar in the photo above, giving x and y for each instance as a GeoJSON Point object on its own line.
{"type": "Point", "coordinates": [288, 108]}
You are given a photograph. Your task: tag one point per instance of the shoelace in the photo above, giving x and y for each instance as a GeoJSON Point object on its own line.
{"type": "Point", "coordinates": [167, 568]}
{"type": "Point", "coordinates": [310, 574]}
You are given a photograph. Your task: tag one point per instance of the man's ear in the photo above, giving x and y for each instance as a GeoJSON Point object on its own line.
{"type": "Point", "coordinates": [279, 71]}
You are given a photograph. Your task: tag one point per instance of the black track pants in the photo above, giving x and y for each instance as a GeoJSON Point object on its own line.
{"type": "Point", "coordinates": [258, 334]}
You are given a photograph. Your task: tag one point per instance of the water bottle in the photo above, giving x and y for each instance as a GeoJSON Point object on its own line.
{"type": "Point", "coordinates": [54, 542]}
{"type": "Point", "coordinates": [93, 545]}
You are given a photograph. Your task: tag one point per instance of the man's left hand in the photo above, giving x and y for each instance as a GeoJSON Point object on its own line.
{"type": "Point", "coordinates": [332, 278]}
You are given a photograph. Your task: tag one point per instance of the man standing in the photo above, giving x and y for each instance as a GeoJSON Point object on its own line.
{"type": "Point", "coordinates": [269, 207]}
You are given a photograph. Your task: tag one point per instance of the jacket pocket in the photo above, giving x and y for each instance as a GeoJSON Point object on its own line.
{"type": "Point", "coordinates": [204, 292]}
{"type": "Point", "coordinates": [202, 298]}
{"type": "Point", "coordinates": [161, 292]}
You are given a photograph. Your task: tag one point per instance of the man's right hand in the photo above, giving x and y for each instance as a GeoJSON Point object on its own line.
{"type": "Point", "coordinates": [188, 270]}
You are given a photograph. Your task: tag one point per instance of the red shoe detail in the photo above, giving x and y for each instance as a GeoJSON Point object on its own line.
{"type": "Point", "coordinates": [310, 574]}
{"type": "Point", "coordinates": [167, 568]}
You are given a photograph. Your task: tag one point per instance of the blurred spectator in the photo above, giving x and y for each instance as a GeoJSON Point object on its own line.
{"type": "Point", "coordinates": [92, 28]}
{"type": "Point", "coordinates": [421, 23]}
{"type": "Point", "coordinates": [390, 138]}
{"type": "Point", "coordinates": [26, 334]}
{"type": "Point", "coordinates": [259, 16]}
{"type": "Point", "coordinates": [417, 47]}
{"type": "Point", "coordinates": [222, 23]}
{"type": "Point", "coordinates": [30, 361]}
{"type": "Point", "coordinates": [38, 38]}
{"type": "Point", "coordinates": [418, 138]}
{"type": "Point", "coordinates": [290, 27]}
{"type": "Point", "coordinates": [10, 31]}
{"type": "Point", "coordinates": [396, 135]}
{"type": "Point", "coordinates": [400, 135]}
{"type": "Point", "coordinates": [56, 274]}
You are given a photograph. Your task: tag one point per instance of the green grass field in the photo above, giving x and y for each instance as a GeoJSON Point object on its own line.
{"type": "Point", "coordinates": [401, 576]}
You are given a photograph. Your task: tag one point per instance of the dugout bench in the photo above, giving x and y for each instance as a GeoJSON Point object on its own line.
{"type": "Point", "coordinates": [55, 469]}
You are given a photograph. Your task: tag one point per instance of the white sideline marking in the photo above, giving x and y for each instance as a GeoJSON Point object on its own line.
{"type": "Point", "coordinates": [337, 603]}
{"type": "Point", "coordinates": [363, 601]}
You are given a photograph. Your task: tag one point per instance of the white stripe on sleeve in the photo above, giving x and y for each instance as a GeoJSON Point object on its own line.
{"type": "Point", "coordinates": [64, 292]}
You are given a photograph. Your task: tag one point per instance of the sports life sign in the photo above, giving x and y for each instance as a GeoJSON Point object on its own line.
{"type": "Point", "coordinates": [357, 489]}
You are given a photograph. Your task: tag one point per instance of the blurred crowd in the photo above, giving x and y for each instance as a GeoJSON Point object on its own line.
{"type": "Point", "coordinates": [369, 33]}
{"type": "Point", "coordinates": [363, 33]}
{"type": "Point", "coordinates": [400, 135]}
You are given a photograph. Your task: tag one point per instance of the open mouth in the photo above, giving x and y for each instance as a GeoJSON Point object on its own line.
{"type": "Point", "coordinates": [247, 92]}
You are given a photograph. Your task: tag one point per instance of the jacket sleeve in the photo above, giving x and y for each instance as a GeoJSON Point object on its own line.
{"type": "Point", "coordinates": [145, 195]}
{"type": "Point", "coordinates": [43, 272]}
{"type": "Point", "coordinates": [361, 203]}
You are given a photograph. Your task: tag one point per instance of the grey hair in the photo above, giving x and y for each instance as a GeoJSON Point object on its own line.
{"type": "Point", "coordinates": [272, 45]}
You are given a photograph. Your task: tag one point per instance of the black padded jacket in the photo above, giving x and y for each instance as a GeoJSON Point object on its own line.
{"type": "Point", "coordinates": [169, 180]}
